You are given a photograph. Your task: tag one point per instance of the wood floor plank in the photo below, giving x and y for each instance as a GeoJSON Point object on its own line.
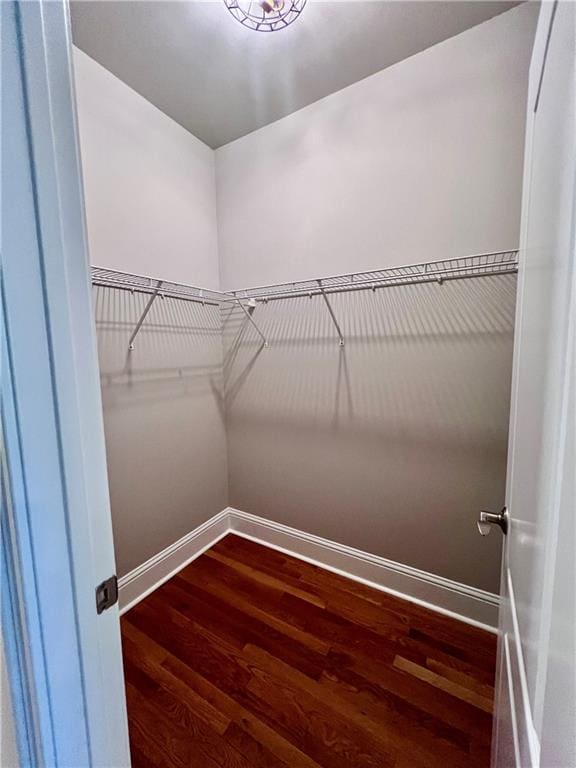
{"type": "Point", "coordinates": [214, 661]}
{"type": "Point", "coordinates": [147, 744]}
{"type": "Point", "coordinates": [309, 577]}
{"type": "Point", "coordinates": [140, 760]}
{"type": "Point", "coordinates": [256, 753]}
{"type": "Point", "coordinates": [423, 623]}
{"type": "Point", "coordinates": [202, 709]}
{"type": "Point", "coordinates": [264, 578]}
{"type": "Point", "coordinates": [283, 751]}
{"type": "Point", "coordinates": [444, 684]}
{"type": "Point", "coordinates": [478, 667]}
{"type": "Point", "coordinates": [184, 743]}
{"type": "Point", "coordinates": [224, 582]}
{"type": "Point", "coordinates": [243, 593]}
{"type": "Point", "coordinates": [300, 574]}
{"type": "Point", "coordinates": [244, 718]}
{"type": "Point", "coordinates": [250, 658]}
{"type": "Point", "coordinates": [463, 679]}
{"type": "Point", "coordinates": [390, 711]}
{"type": "Point", "coordinates": [467, 650]}
{"type": "Point", "coordinates": [337, 630]}
{"type": "Point", "coordinates": [238, 628]}
{"type": "Point", "coordinates": [314, 726]}
{"type": "Point", "coordinates": [382, 679]}
{"type": "Point", "coordinates": [387, 737]}
{"type": "Point", "coordinates": [369, 614]}
{"type": "Point", "coordinates": [218, 661]}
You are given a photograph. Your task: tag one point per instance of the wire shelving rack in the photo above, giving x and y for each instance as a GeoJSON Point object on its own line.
{"type": "Point", "coordinates": [112, 278]}
{"type": "Point", "coordinates": [478, 265]}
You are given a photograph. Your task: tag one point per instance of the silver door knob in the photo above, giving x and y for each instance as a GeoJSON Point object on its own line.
{"type": "Point", "coordinates": [488, 519]}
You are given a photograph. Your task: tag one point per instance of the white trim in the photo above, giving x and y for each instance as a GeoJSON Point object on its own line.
{"type": "Point", "coordinates": [64, 659]}
{"type": "Point", "coordinates": [512, 700]}
{"type": "Point", "coordinates": [144, 579]}
{"type": "Point", "coordinates": [529, 729]}
{"type": "Point", "coordinates": [467, 604]}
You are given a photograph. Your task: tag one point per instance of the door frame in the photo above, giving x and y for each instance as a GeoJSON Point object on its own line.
{"type": "Point", "coordinates": [64, 660]}
{"type": "Point", "coordinates": [518, 735]}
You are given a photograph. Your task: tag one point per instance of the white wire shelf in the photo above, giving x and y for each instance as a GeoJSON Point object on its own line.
{"type": "Point", "coordinates": [155, 287]}
{"type": "Point", "coordinates": [111, 278]}
{"type": "Point", "coordinates": [479, 265]}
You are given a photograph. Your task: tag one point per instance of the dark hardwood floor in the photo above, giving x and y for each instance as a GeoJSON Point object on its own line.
{"type": "Point", "coordinates": [252, 659]}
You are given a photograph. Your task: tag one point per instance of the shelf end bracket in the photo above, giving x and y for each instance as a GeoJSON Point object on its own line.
{"type": "Point", "coordinates": [147, 309]}
{"type": "Point", "coordinates": [331, 311]}
{"type": "Point", "coordinates": [250, 318]}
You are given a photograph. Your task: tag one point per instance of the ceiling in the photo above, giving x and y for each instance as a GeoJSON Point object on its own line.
{"type": "Point", "coordinates": [221, 81]}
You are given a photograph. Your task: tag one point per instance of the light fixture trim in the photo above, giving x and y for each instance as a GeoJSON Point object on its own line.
{"type": "Point", "coordinates": [265, 15]}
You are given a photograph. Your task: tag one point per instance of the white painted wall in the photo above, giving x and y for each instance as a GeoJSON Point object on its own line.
{"type": "Point", "coordinates": [149, 184]}
{"type": "Point", "coordinates": [420, 161]}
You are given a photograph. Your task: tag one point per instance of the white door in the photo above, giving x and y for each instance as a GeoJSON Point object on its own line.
{"type": "Point", "coordinates": [63, 655]}
{"type": "Point", "coordinates": [535, 710]}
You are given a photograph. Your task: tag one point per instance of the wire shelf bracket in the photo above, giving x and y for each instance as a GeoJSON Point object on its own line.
{"type": "Point", "coordinates": [147, 309]}
{"type": "Point", "coordinates": [331, 311]}
{"type": "Point", "coordinates": [252, 305]}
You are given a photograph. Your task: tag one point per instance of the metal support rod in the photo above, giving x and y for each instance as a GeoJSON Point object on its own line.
{"type": "Point", "coordinates": [332, 315]}
{"type": "Point", "coordinates": [143, 315]}
{"type": "Point", "coordinates": [249, 316]}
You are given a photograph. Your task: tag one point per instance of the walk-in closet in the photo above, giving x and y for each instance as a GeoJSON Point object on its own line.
{"type": "Point", "coordinates": [304, 223]}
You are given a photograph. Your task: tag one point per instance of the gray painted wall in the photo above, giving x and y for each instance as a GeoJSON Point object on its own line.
{"type": "Point", "coordinates": [395, 442]}
{"type": "Point", "coordinates": [151, 209]}
{"type": "Point", "coordinates": [163, 420]}
{"type": "Point", "coordinates": [390, 444]}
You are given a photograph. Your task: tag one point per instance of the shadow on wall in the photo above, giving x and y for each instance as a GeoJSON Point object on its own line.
{"type": "Point", "coordinates": [178, 344]}
{"type": "Point", "coordinates": [391, 443]}
{"type": "Point", "coordinates": [163, 418]}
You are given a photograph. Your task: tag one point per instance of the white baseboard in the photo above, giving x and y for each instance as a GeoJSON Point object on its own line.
{"type": "Point", "coordinates": [144, 579]}
{"type": "Point", "coordinates": [473, 606]}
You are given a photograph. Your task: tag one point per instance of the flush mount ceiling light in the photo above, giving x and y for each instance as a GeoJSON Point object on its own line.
{"type": "Point", "coordinates": [265, 15]}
